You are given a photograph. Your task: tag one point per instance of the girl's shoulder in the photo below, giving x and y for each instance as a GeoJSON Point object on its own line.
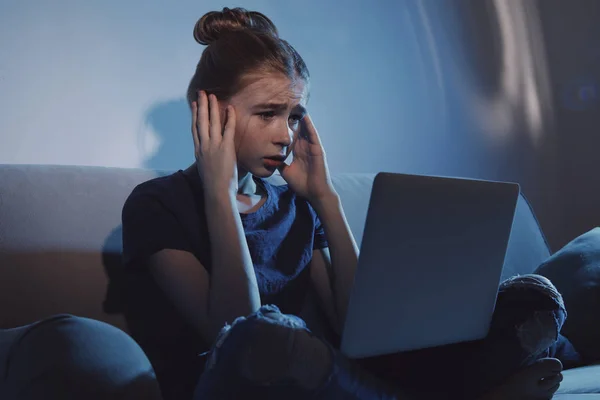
{"type": "Point", "coordinates": [170, 190]}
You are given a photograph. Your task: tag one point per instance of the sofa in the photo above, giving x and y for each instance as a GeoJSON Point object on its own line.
{"type": "Point", "coordinates": [60, 237]}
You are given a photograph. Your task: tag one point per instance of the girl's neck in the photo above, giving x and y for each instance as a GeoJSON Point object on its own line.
{"type": "Point", "coordinates": [247, 185]}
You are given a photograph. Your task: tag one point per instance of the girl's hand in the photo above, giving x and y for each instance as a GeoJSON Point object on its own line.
{"type": "Point", "coordinates": [308, 174]}
{"type": "Point", "coordinates": [214, 146]}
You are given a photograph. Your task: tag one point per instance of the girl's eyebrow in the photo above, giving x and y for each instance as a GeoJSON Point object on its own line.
{"type": "Point", "coordinates": [301, 109]}
{"type": "Point", "coordinates": [271, 106]}
{"type": "Point", "coordinates": [279, 107]}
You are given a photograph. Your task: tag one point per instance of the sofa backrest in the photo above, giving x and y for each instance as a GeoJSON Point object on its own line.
{"type": "Point", "coordinates": [57, 227]}
{"type": "Point", "coordinates": [60, 235]}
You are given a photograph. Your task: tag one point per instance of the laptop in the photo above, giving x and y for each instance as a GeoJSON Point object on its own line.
{"type": "Point", "coordinates": [430, 263]}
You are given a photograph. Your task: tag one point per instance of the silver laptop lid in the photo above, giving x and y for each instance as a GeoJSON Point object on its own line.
{"type": "Point", "coordinates": [431, 258]}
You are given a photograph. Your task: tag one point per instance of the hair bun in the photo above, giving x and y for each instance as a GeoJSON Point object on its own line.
{"type": "Point", "coordinates": [212, 25]}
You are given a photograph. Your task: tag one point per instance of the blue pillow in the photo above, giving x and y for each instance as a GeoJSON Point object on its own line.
{"type": "Point", "coordinates": [575, 271]}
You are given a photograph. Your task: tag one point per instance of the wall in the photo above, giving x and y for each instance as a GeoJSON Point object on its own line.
{"type": "Point", "coordinates": [421, 86]}
{"type": "Point", "coordinates": [573, 31]}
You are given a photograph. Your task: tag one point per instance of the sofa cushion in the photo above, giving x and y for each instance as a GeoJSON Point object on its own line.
{"type": "Point", "coordinates": [580, 380]}
{"type": "Point", "coordinates": [575, 271]}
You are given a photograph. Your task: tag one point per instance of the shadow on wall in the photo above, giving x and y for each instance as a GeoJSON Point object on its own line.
{"type": "Point", "coordinates": [170, 121]}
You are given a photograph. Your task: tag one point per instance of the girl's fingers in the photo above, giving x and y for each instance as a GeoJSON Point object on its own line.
{"type": "Point", "coordinates": [229, 124]}
{"type": "Point", "coordinates": [546, 367]}
{"type": "Point", "coordinates": [308, 130]}
{"type": "Point", "coordinates": [202, 119]}
{"type": "Point", "coordinates": [551, 383]}
{"type": "Point", "coordinates": [215, 119]}
{"type": "Point", "coordinates": [195, 127]}
{"type": "Point", "coordinates": [547, 373]}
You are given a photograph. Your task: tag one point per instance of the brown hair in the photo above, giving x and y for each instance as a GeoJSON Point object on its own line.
{"type": "Point", "coordinates": [240, 43]}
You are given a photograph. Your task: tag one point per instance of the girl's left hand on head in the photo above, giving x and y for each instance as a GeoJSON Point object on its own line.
{"type": "Point", "coordinates": [308, 174]}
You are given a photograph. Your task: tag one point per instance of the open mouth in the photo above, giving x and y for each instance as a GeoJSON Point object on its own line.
{"type": "Point", "coordinates": [274, 162]}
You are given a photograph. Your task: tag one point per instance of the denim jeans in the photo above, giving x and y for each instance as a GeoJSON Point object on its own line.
{"type": "Point", "coordinates": [518, 337]}
{"type": "Point", "coordinates": [223, 380]}
{"type": "Point", "coordinates": [67, 357]}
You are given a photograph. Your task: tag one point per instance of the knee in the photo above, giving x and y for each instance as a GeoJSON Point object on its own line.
{"type": "Point", "coordinates": [271, 348]}
{"type": "Point", "coordinates": [261, 346]}
{"type": "Point", "coordinates": [265, 338]}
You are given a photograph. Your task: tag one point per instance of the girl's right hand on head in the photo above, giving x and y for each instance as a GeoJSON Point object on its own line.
{"type": "Point", "coordinates": [214, 147]}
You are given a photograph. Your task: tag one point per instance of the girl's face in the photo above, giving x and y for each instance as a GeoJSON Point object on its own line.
{"type": "Point", "coordinates": [268, 113]}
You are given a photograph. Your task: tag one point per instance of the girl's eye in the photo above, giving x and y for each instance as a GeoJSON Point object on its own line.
{"type": "Point", "coordinates": [295, 119]}
{"type": "Point", "coordinates": [266, 115]}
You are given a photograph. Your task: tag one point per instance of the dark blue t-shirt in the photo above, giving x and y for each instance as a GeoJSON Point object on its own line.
{"type": "Point", "coordinates": [168, 213]}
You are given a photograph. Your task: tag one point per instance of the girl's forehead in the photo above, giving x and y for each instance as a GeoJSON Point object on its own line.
{"type": "Point", "coordinates": [273, 88]}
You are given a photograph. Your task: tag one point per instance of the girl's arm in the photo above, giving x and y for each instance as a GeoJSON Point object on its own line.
{"type": "Point", "coordinates": [231, 290]}
{"type": "Point", "coordinates": [208, 301]}
{"type": "Point", "coordinates": [333, 269]}
{"type": "Point", "coordinates": [308, 175]}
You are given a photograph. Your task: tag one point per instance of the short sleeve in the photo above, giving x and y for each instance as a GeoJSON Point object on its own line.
{"type": "Point", "coordinates": [148, 227]}
{"type": "Point", "coordinates": [320, 240]}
